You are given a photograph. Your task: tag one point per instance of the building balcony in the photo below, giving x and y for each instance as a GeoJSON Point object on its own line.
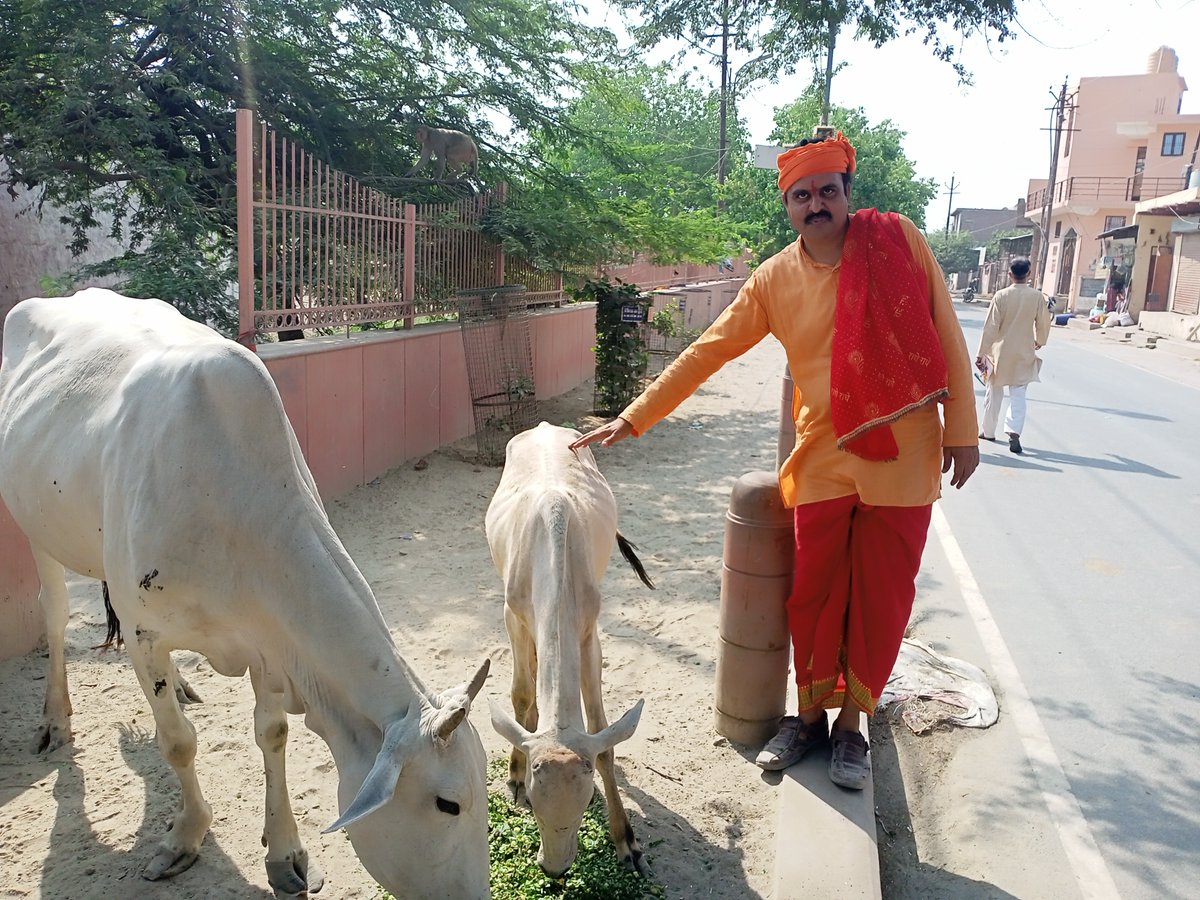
{"type": "Point", "coordinates": [1092, 191]}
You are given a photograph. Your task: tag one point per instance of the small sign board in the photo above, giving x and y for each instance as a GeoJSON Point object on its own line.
{"type": "Point", "coordinates": [765, 155]}
{"type": "Point", "coordinates": [633, 312]}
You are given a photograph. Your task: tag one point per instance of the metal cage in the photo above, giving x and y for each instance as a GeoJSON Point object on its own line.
{"type": "Point", "coordinates": [495, 330]}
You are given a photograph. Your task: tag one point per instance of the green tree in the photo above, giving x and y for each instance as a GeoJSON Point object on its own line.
{"type": "Point", "coordinates": [782, 35]}
{"type": "Point", "coordinates": [885, 178]}
{"type": "Point", "coordinates": [123, 110]}
{"type": "Point", "coordinates": [955, 251]}
{"type": "Point", "coordinates": [640, 155]}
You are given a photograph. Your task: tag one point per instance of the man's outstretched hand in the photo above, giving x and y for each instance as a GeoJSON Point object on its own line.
{"type": "Point", "coordinates": [607, 434]}
{"type": "Point", "coordinates": [965, 460]}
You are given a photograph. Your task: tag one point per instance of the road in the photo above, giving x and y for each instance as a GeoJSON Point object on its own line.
{"type": "Point", "coordinates": [1071, 574]}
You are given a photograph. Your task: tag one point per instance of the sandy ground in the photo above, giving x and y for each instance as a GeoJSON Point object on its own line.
{"type": "Point", "coordinates": [82, 822]}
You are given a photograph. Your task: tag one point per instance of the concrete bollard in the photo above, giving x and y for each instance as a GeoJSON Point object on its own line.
{"type": "Point", "coordinates": [753, 642]}
{"type": "Point", "coordinates": [787, 422]}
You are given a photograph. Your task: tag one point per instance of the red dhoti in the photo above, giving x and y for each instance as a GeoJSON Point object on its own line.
{"type": "Point", "coordinates": [852, 594]}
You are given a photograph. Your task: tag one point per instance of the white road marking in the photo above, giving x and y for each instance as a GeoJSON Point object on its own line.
{"type": "Point", "coordinates": [1091, 872]}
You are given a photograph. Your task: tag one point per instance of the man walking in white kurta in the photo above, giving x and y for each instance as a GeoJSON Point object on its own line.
{"type": "Point", "coordinates": [1017, 325]}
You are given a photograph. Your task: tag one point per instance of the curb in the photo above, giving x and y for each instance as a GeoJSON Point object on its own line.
{"type": "Point", "coordinates": [825, 841]}
{"type": "Point", "coordinates": [1137, 337]}
{"type": "Point", "coordinates": [1184, 349]}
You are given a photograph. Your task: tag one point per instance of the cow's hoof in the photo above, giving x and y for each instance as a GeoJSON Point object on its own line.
{"type": "Point", "coordinates": [295, 876]}
{"type": "Point", "coordinates": [637, 862]}
{"type": "Point", "coordinates": [184, 692]}
{"type": "Point", "coordinates": [517, 790]}
{"type": "Point", "coordinates": [168, 863]}
{"type": "Point", "coordinates": [49, 738]}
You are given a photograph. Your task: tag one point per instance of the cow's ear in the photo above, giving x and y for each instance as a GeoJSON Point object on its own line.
{"type": "Point", "coordinates": [508, 727]}
{"type": "Point", "coordinates": [618, 731]}
{"type": "Point", "coordinates": [399, 741]}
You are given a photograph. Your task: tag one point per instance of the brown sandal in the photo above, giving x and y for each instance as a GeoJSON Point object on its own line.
{"type": "Point", "coordinates": [794, 740]}
{"type": "Point", "coordinates": [848, 765]}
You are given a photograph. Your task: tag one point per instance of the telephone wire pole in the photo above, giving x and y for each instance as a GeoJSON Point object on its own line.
{"type": "Point", "coordinates": [1059, 114]}
{"type": "Point", "coordinates": [950, 204]}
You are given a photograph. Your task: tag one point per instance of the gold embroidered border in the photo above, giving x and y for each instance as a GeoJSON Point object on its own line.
{"type": "Point", "coordinates": [889, 419]}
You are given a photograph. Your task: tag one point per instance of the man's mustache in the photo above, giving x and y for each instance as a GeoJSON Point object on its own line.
{"type": "Point", "coordinates": [812, 217]}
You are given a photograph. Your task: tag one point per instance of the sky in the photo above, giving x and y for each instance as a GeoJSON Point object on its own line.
{"type": "Point", "coordinates": [992, 136]}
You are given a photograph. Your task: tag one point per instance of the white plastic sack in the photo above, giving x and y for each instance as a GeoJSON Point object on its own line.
{"type": "Point", "coordinates": [920, 674]}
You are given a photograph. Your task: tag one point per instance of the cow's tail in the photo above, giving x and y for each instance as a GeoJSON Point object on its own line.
{"type": "Point", "coordinates": [627, 550]}
{"type": "Point", "coordinates": [112, 637]}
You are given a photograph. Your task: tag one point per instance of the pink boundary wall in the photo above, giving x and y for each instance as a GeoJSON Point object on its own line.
{"type": "Point", "coordinates": [23, 626]}
{"type": "Point", "coordinates": [359, 406]}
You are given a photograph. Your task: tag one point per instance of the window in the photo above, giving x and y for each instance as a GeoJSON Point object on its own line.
{"type": "Point", "coordinates": [1111, 222]}
{"type": "Point", "coordinates": [1057, 228]}
{"type": "Point", "coordinates": [1173, 143]}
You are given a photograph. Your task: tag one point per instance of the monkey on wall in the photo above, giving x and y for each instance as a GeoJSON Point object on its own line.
{"type": "Point", "coordinates": [453, 149]}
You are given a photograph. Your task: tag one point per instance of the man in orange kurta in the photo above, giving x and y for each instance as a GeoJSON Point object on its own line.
{"type": "Point", "coordinates": [870, 446]}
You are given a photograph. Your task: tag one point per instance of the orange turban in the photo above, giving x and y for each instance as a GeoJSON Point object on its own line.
{"type": "Point", "coordinates": [830, 155]}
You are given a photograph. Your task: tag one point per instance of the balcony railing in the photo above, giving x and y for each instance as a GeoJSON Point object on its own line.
{"type": "Point", "coordinates": [1092, 190]}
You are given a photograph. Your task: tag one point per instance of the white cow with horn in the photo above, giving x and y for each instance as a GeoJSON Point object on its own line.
{"type": "Point", "coordinates": [551, 526]}
{"type": "Point", "coordinates": [144, 449]}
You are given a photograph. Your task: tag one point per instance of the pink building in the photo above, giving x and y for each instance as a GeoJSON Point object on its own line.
{"type": "Point", "coordinates": [1123, 141]}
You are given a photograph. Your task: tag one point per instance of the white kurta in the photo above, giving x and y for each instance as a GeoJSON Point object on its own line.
{"type": "Point", "coordinates": [1017, 318]}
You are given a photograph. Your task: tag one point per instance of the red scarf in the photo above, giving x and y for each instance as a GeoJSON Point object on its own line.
{"type": "Point", "coordinates": [887, 359]}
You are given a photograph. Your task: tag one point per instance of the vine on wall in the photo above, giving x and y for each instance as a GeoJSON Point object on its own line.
{"type": "Point", "coordinates": [621, 355]}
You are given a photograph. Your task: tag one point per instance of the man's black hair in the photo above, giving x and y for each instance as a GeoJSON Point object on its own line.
{"type": "Point", "coordinates": [1020, 267]}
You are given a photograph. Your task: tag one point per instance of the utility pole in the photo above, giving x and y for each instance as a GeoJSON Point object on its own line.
{"type": "Point", "coordinates": [949, 204]}
{"type": "Point", "coordinates": [823, 130]}
{"type": "Point", "coordinates": [722, 140]}
{"type": "Point", "coordinates": [721, 148]}
{"type": "Point", "coordinates": [833, 30]}
{"type": "Point", "coordinates": [1058, 114]}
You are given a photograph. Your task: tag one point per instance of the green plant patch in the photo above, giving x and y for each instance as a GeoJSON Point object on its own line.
{"type": "Point", "coordinates": [595, 875]}
{"type": "Point", "coordinates": [513, 844]}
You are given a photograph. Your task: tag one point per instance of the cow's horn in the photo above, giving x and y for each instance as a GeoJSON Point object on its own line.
{"type": "Point", "coordinates": [477, 682]}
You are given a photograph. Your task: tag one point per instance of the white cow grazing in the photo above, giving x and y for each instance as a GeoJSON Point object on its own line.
{"type": "Point", "coordinates": [550, 527]}
{"type": "Point", "coordinates": [144, 449]}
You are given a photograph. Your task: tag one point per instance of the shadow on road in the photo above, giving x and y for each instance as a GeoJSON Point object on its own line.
{"type": "Point", "coordinates": [1036, 460]}
{"type": "Point", "coordinates": [1107, 410]}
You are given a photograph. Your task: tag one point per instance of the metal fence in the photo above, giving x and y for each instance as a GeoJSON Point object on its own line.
{"type": "Point", "coordinates": [318, 249]}
{"type": "Point", "coordinates": [1115, 190]}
